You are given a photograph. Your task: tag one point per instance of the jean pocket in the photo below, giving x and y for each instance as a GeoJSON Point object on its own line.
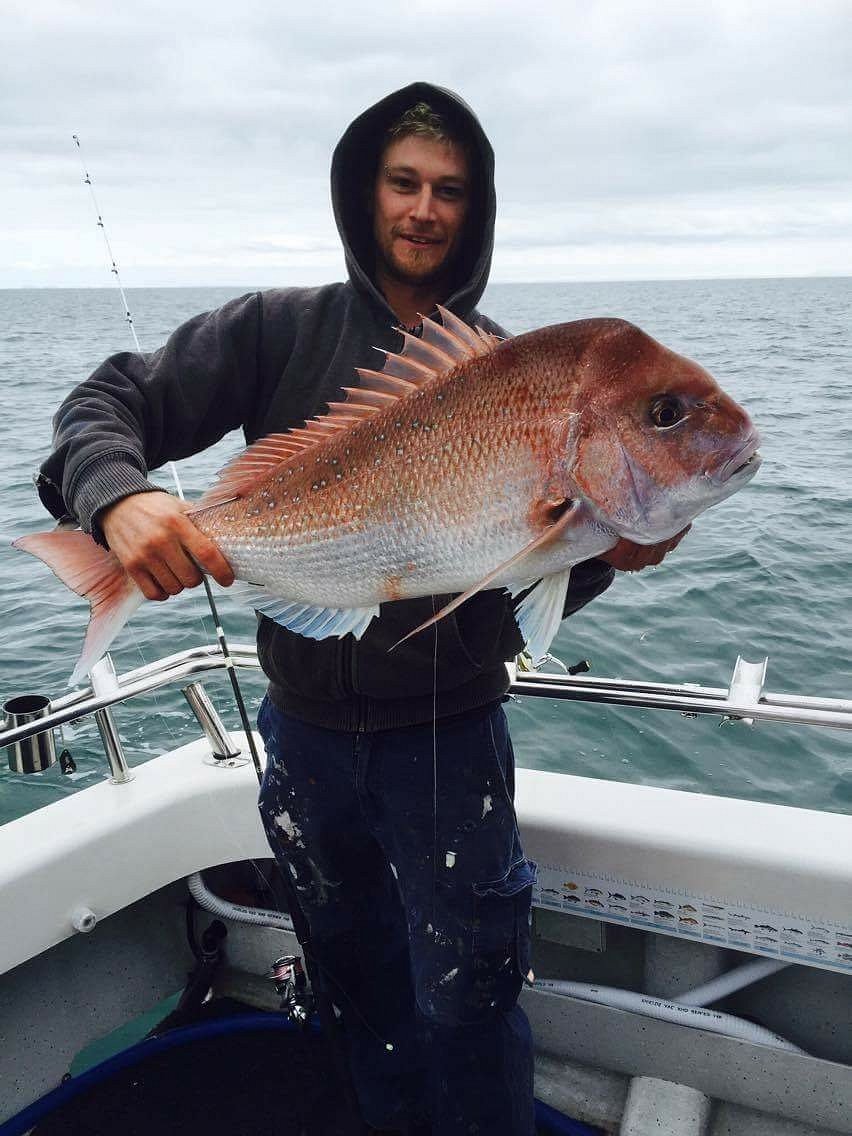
{"type": "Point", "coordinates": [501, 925]}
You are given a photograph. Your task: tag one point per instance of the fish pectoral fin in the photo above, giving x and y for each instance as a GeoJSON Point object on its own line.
{"type": "Point", "coordinates": [311, 620]}
{"type": "Point", "coordinates": [565, 517]}
{"type": "Point", "coordinates": [539, 613]}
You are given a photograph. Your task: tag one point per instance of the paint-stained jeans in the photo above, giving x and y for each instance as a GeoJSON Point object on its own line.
{"type": "Point", "coordinates": [404, 850]}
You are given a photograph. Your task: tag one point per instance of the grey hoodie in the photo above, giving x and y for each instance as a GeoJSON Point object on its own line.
{"type": "Point", "coordinates": [268, 361]}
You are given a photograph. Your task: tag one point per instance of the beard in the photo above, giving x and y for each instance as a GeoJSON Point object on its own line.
{"type": "Point", "coordinates": [418, 267]}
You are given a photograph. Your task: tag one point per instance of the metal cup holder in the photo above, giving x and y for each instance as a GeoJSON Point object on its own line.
{"type": "Point", "coordinates": [32, 755]}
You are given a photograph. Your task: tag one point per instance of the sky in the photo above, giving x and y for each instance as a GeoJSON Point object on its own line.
{"type": "Point", "coordinates": [634, 140]}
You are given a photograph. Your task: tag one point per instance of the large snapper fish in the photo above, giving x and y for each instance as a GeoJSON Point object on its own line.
{"type": "Point", "coordinates": [468, 462]}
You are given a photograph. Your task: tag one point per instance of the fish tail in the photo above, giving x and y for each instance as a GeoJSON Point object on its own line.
{"type": "Point", "coordinates": [96, 574]}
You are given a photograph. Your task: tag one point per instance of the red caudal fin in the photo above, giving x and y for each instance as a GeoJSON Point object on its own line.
{"type": "Point", "coordinates": [90, 571]}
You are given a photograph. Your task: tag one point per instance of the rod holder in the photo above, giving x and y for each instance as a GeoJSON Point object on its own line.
{"type": "Point", "coordinates": [746, 687]}
{"type": "Point", "coordinates": [35, 754]}
{"type": "Point", "coordinates": [223, 747]}
{"type": "Point", "coordinates": [105, 684]}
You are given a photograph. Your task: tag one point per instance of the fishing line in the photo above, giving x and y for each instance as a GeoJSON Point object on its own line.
{"type": "Point", "coordinates": [434, 772]}
{"type": "Point", "coordinates": [129, 320]}
{"type": "Point", "coordinates": [113, 266]}
{"type": "Point", "coordinates": [230, 666]}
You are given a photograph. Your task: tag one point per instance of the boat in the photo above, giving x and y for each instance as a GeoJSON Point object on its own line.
{"type": "Point", "coordinates": [692, 955]}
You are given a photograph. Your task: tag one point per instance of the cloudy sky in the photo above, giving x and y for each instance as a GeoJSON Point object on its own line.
{"type": "Point", "coordinates": [634, 140]}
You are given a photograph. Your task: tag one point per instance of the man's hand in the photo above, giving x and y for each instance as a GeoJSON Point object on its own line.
{"type": "Point", "coordinates": [158, 544]}
{"type": "Point", "coordinates": [629, 557]}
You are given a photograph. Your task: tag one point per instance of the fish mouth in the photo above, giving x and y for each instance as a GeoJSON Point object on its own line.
{"type": "Point", "coordinates": [745, 461]}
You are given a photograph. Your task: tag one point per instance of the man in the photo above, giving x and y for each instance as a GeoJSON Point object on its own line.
{"type": "Point", "coordinates": [388, 797]}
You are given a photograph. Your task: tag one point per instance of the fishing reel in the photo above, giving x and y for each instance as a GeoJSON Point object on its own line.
{"type": "Point", "coordinates": [291, 983]}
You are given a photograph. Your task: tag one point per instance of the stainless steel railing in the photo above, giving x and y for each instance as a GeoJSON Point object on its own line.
{"type": "Point", "coordinates": [185, 665]}
{"type": "Point", "coordinates": [689, 699]}
{"type": "Point", "coordinates": [735, 702]}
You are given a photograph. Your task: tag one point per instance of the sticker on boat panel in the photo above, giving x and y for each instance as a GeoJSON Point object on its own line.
{"type": "Point", "coordinates": [644, 904]}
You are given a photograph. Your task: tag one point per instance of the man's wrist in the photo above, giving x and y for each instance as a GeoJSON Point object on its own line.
{"type": "Point", "coordinates": [102, 483]}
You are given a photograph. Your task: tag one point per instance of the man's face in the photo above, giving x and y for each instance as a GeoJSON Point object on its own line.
{"type": "Point", "coordinates": [420, 203]}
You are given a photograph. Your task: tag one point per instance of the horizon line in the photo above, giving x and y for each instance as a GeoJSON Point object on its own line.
{"type": "Point", "coordinates": [573, 280]}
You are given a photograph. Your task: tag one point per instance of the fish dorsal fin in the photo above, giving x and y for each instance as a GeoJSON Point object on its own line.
{"type": "Point", "coordinates": [437, 351]}
{"type": "Point", "coordinates": [489, 339]}
{"type": "Point", "coordinates": [477, 340]}
{"type": "Point", "coordinates": [447, 342]}
{"type": "Point", "coordinates": [243, 472]}
{"type": "Point", "coordinates": [462, 331]}
{"type": "Point", "coordinates": [438, 348]}
{"type": "Point", "coordinates": [434, 352]}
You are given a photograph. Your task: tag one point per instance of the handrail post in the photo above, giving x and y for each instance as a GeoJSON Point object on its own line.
{"type": "Point", "coordinates": [105, 684]}
{"type": "Point", "coordinates": [223, 747]}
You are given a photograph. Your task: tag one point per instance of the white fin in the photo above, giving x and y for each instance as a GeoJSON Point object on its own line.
{"type": "Point", "coordinates": [308, 619]}
{"type": "Point", "coordinates": [540, 613]}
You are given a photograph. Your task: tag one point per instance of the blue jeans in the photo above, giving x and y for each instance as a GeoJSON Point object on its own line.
{"type": "Point", "coordinates": [404, 850]}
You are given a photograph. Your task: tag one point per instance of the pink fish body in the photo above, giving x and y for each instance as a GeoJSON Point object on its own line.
{"type": "Point", "coordinates": [468, 462]}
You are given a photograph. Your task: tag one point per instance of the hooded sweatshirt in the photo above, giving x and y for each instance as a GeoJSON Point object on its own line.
{"type": "Point", "coordinates": [266, 362]}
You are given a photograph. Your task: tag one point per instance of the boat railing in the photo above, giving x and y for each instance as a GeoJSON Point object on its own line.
{"type": "Point", "coordinates": [743, 700]}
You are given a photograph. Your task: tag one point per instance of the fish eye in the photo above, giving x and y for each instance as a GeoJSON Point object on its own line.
{"type": "Point", "coordinates": [665, 411]}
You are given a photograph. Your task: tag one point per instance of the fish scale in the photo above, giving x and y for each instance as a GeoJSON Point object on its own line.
{"type": "Point", "coordinates": [410, 472]}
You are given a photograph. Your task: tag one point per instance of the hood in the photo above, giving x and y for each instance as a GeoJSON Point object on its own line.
{"type": "Point", "coordinates": [353, 168]}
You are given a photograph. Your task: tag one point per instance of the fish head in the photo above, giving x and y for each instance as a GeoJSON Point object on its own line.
{"type": "Point", "coordinates": [658, 441]}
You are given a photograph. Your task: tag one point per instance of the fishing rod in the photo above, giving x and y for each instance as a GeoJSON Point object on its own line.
{"type": "Point", "coordinates": [230, 665]}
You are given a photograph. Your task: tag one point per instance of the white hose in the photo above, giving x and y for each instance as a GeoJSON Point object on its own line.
{"type": "Point", "coordinates": [257, 916]}
{"type": "Point", "coordinates": [682, 1012]}
{"type": "Point", "coordinates": [718, 988]}
{"type": "Point", "coordinates": [667, 1011]}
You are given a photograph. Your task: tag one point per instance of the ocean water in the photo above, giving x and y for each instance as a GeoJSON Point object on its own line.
{"type": "Point", "coordinates": [765, 573]}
